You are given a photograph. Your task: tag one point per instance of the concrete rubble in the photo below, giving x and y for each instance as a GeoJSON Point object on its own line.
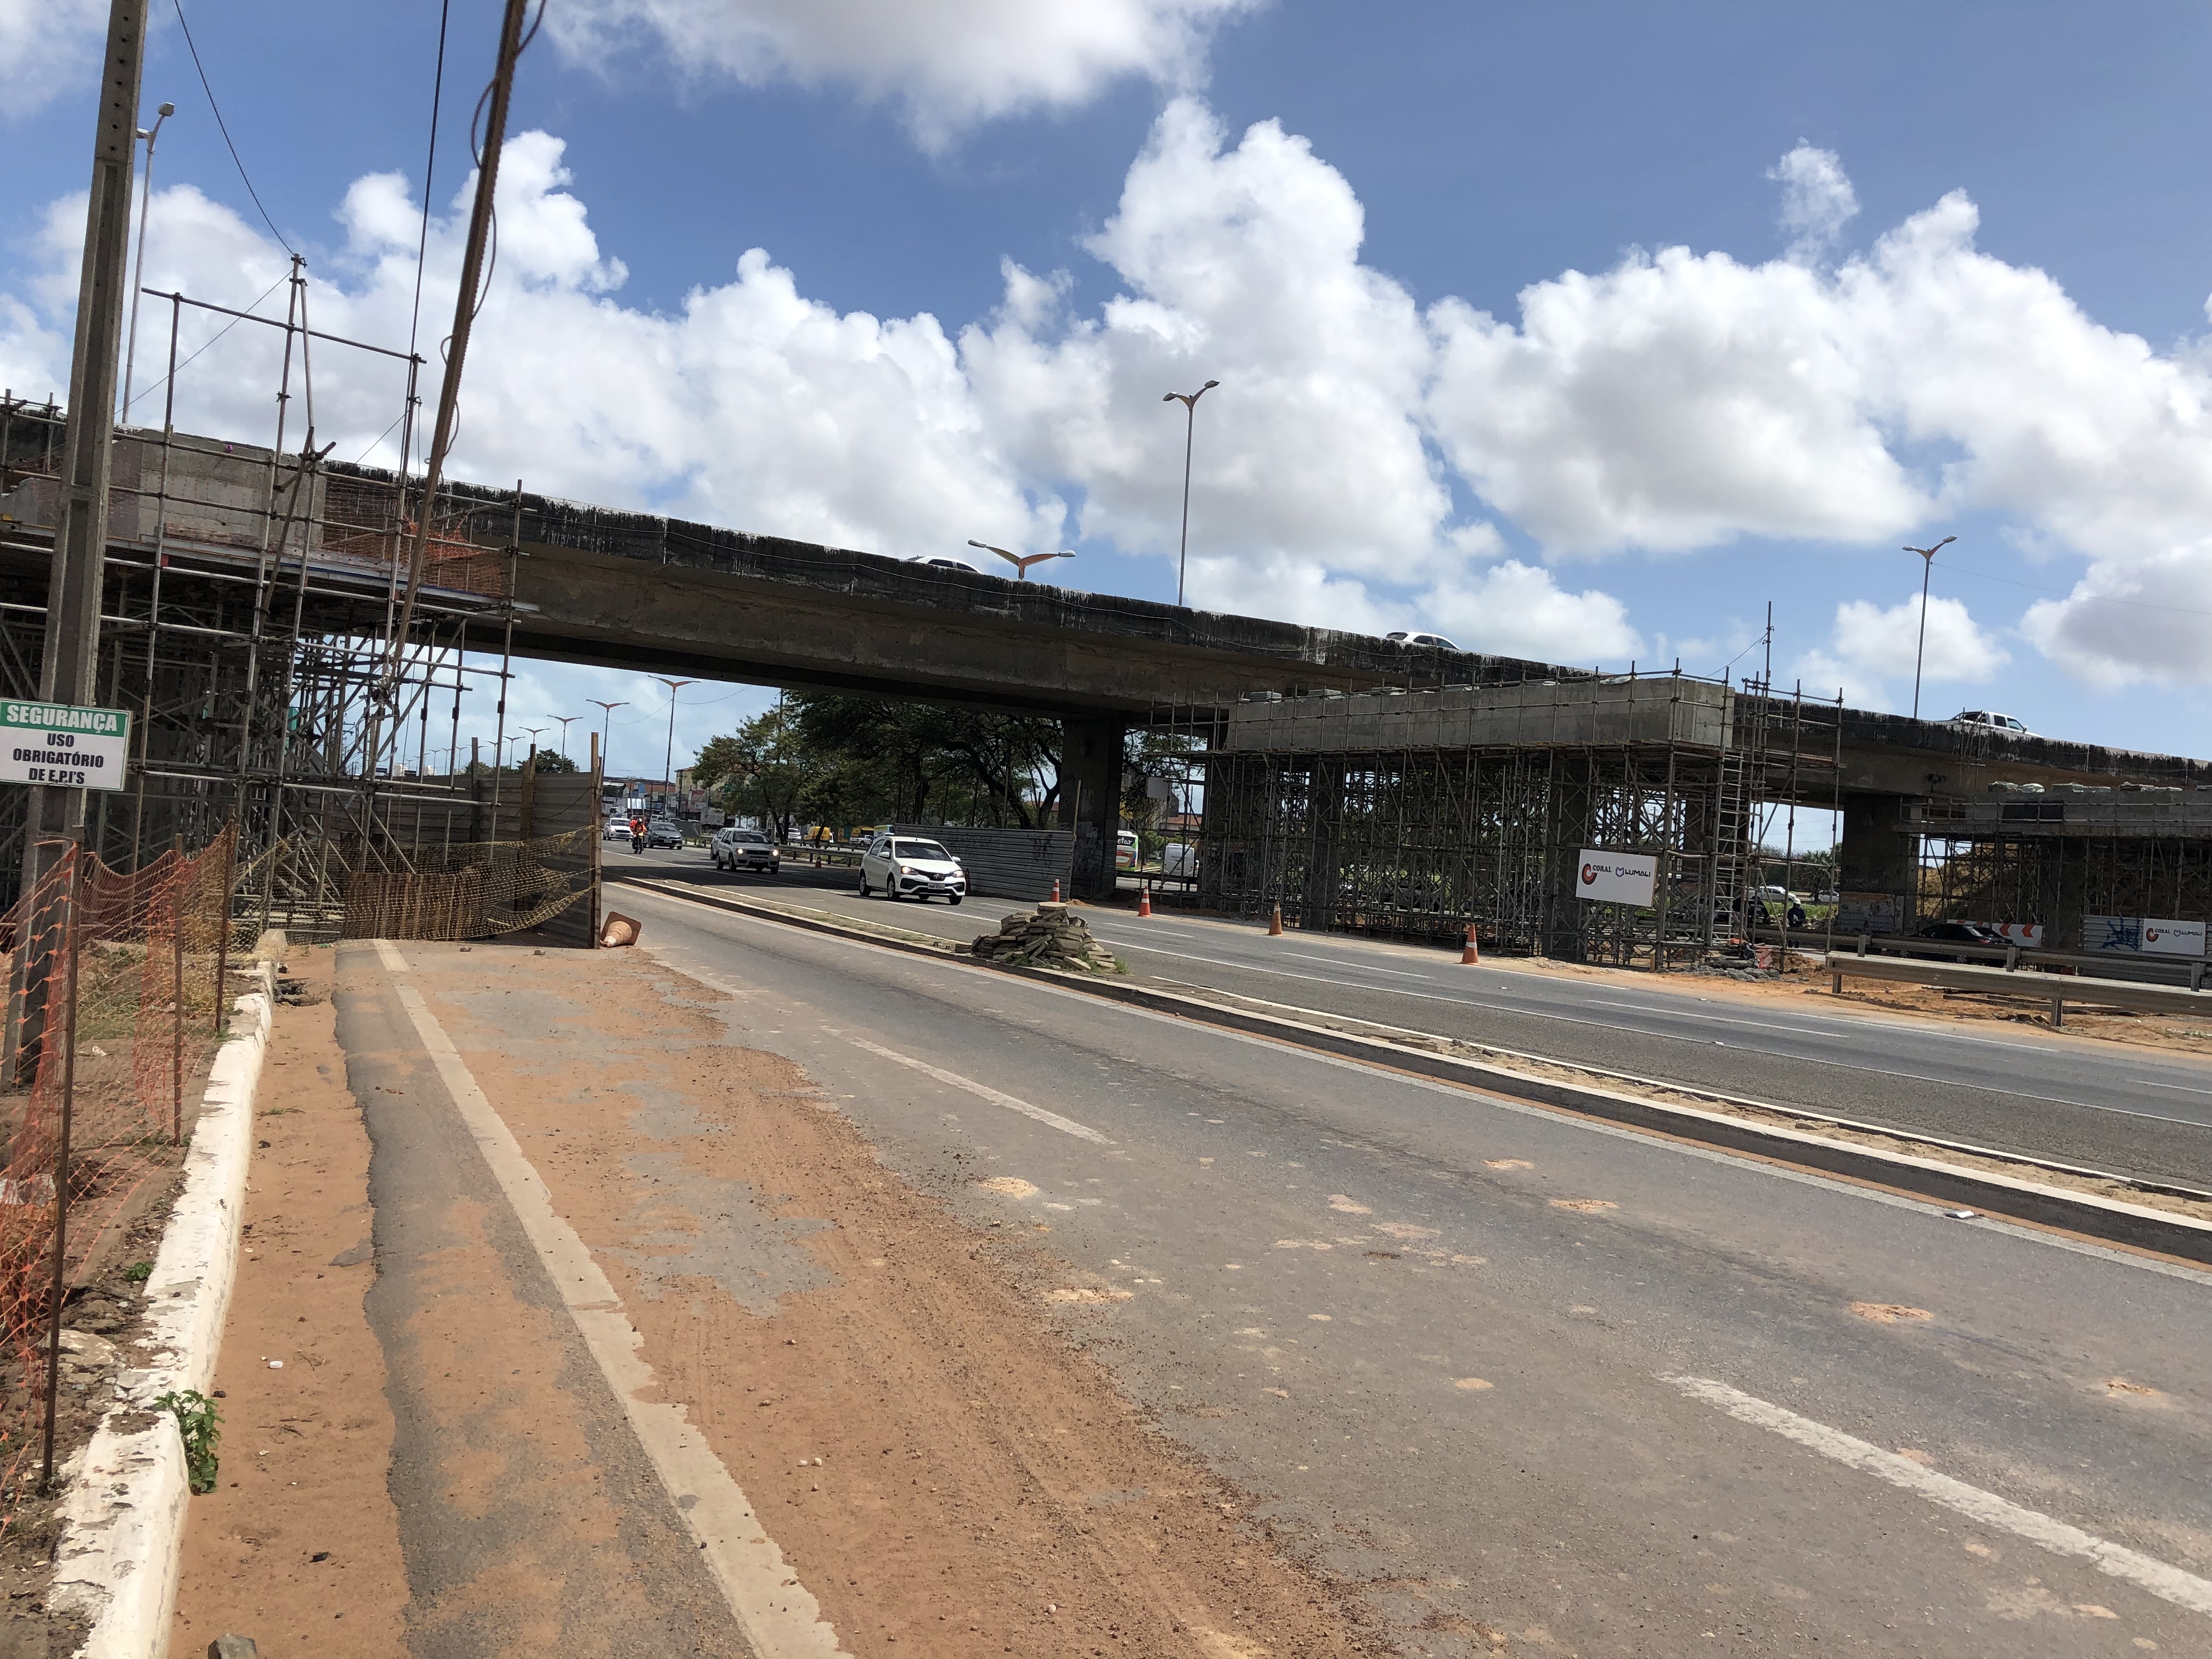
{"type": "Point", "coordinates": [1051, 936]}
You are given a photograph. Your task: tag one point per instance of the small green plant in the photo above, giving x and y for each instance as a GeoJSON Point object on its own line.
{"type": "Point", "coordinates": [139, 1272]}
{"type": "Point", "coordinates": [198, 1420]}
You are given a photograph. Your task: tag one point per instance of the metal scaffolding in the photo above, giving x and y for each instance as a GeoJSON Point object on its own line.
{"type": "Point", "coordinates": [1427, 809]}
{"type": "Point", "coordinates": [251, 622]}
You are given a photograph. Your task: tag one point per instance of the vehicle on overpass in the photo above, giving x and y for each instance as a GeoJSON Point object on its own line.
{"type": "Point", "coordinates": [1988, 720]}
{"type": "Point", "coordinates": [909, 867]}
{"type": "Point", "coordinates": [1433, 641]}
{"type": "Point", "coordinates": [745, 849]}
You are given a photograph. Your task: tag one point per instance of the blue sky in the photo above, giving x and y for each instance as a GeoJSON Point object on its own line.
{"type": "Point", "coordinates": [1630, 468]}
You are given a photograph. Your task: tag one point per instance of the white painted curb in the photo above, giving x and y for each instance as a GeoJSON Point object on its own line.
{"type": "Point", "coordinates": [123, 1520]}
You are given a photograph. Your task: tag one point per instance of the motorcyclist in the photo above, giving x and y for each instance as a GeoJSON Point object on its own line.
{"type": "Point", "coordinates": [637, 832]}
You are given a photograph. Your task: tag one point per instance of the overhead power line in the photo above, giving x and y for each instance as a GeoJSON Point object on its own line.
{"type": "Point", "coordinates": [225, 130]}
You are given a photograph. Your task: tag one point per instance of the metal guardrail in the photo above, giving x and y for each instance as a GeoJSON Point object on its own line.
{"type": "Point", "coordinates": [2058, 989]}
{"type": "Point", "coordinates": [2186, 970]}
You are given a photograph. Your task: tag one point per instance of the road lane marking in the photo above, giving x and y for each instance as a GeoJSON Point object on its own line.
{"type": "Point", "coordinates": [388, 954]}
{"type": "Point", "coordinates": [2149, 1082]}
{"type": "Point", "coordinates": [689, 915]}
{"type": "Point", "coordinates": [2170, 1584]}
{"type": "Point", "coordinates": [775, 1612]}
{"type": "Point", "coordinates": [1067, 1126]}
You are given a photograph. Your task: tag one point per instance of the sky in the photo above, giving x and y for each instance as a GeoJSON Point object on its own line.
{"type": "Point", "coordinates": [1582, 333]}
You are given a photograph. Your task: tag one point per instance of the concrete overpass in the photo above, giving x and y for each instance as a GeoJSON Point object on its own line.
{"type": "Point", "coordinates": [596, 586]}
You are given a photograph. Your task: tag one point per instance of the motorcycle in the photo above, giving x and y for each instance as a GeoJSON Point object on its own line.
{"type": "Point", "coordinates": [636, 843]}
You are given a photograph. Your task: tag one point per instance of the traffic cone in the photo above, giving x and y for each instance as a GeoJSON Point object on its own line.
{"type": "Point", "coordinates": [1470, 953]}
{"type": "Point", "coordinates": [1275, 923]}
{"type": "Point", "coordinates": [1056, 889]}
{"type": "Point", "coordinates": [1143, 901]}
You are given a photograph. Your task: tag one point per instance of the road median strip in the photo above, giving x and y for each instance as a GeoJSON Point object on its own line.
{"type": "Point", "coordinates": [2117, 1209]}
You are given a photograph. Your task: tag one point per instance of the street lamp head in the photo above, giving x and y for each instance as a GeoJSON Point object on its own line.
{"type": "Point", "coordinates": [166, 109]}
{"type": "Point", "coordinates": [1168, 397]}
{"type": "Point", "coordinates": [1209, 385]}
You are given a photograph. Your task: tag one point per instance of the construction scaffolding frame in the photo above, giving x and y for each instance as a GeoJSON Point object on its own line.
{"type": "Point", "coordinates": [252, 623]}
{"type": "Point", "coordinates": [1425, 809]}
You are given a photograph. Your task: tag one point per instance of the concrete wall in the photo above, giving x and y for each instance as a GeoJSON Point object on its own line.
{"type": "Point", "coordinates": [1548, 714]}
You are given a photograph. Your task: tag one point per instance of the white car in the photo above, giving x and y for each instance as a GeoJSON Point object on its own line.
{"type": "Point", "coordinates": [617, 828]}
{"type": "Point", "coordinates": [1433, 641]}
{"type": "Point", "coordinates": [1986, 719]}
{"type": "Point", "coordinates": [908, 867]}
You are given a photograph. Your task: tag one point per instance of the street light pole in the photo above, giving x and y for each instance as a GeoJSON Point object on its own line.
{"type": "Point", "coordinates": [668, 759]}
{"type": "Point", "coordinates": [1927, 570]}
{"type": "Point", "coordinates": [1189, 402]}
{"type": "Point", "coordinates": [533, 731]}
{"type": "Point", "coordinates": [566, 720]}
{"type": "Point", "coordinates": [138, 273]}
{"type": "Point", "coordinates": [606, 713]}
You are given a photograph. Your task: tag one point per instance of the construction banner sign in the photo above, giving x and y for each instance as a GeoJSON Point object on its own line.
{"type": "Point", "coordinates": [1617, 878]}
{"type": "Point", "coordinates": [63, 746]}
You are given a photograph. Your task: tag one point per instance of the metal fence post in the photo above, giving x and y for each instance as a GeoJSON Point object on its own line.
{"type": "Point", "coordinates": [61, 1161]}
{"type": "Point", "coordinates": [222, 921]}
{"type": "Point", "coordinates": [177, 1023]}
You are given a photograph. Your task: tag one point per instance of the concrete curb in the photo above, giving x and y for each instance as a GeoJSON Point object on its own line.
{"type": "Point", "coordinates": [2018, 1197]}
{"type": "Point", "coordinates": [122, 1519]}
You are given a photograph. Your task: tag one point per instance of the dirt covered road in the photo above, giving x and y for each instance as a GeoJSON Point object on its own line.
{"type": "Point", "coordinates": [941, 1468]}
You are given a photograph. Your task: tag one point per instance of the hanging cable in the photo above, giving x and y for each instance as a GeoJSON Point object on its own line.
{"type": "Point", "coordinates": [429, 172]}
{"type": "Point", "coordinates": [225, 130]}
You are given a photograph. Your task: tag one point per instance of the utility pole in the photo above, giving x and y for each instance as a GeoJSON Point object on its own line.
{"type": "Point", "coordinates": [152, 135]}
{"type": "Point", "coordinates": [606, 714]}
{"type": "Point", "coordinates": [1189, 402]}
{"type": "Point", "coordinates": [1927, 570]}
{"type": "Point", "coordinates": [464, 312]}
{"type": "Point", "coordinates": [668, 760]}
{"type": "Point", "coordinates": [67, 673]}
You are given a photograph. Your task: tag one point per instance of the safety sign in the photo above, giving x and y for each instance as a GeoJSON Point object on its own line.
{"type": "Point", "coordinates": [63, 745]}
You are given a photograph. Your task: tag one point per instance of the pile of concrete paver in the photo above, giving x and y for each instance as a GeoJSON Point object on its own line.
{"type": "Point", "coordinates": [1051, 936]}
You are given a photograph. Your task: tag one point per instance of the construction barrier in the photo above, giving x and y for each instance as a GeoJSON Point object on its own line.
{"type": "Point", "coordinates": [114, 1004]}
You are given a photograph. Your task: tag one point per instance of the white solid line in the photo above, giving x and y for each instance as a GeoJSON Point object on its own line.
{"type": "Point", "coordinates": [2171, 1583]}
{"type": "Point", "coordinates": [2149, 1082]}
{"type": "Point", "coordinates": [388, 954]}
{"type": "Point", "coordinates": [984, 1091]}
{"type": "Point", "coordinates": [776, 1612]}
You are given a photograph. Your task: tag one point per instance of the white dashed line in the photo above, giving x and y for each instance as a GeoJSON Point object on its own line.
{"type": "Point", "coordinates": [1067, 1126]}
{"type": "Point", "coordinates": [2171, 1583]}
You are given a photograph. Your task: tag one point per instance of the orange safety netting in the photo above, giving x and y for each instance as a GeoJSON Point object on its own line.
{"type": "Point", "coordinates": [113, 1007]}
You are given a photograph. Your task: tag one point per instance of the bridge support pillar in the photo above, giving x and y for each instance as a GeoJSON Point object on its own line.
{"type": "Point", "coordinates": [1091, 800]}
{"type": "Point", "coordinates": [1879, 854]}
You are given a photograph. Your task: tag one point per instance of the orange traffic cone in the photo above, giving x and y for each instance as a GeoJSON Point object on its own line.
{"type": "Point", "coordinates": [1143, 901]}
{"type": "Point", "coordinates": [1056, 889]}
{"type": "Point", "coordinates": [1470, 953]}
{"type": "Point", "coordinates": [1275, 923]}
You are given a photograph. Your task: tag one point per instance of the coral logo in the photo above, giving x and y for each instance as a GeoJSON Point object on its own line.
{"type": "Point", "coordinates": [1589, 875]}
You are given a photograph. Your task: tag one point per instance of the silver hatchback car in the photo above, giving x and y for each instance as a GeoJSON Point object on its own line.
{"type": "Point", "coordinates": [745, 849]}
{"type": "Point", "coordinates": [909, 867]}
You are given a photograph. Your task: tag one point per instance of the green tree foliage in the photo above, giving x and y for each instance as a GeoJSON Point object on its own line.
{"type": "Point", "coordinates": [844, 762]}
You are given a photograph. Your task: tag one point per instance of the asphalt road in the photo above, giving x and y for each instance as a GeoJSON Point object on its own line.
{"type": "Point", "coordinates": [2140, 1112]}
{"type": "Point", "coordinates": [1544, 1386]}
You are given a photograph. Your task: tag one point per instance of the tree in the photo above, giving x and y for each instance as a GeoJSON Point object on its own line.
{"type": "Point", "coordinates": [759, 770]}
{"type": "Point", "coordinates": [552, 760]}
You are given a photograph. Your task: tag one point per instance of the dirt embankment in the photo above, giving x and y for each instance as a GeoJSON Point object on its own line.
{"type": "Point", "coordinates": [298, 1546]}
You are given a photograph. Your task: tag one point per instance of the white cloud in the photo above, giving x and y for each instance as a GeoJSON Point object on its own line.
{"type": "Point", "coordinates": [1674, 401]}
{"type": "Point", "coordinates": [1817, 200]}
{"type": "Point", "coordinates": [1314, 489]}
{"type": "Point", "coordinates": [1871, 653]}
{"type": "Point", "coordinates": [948, 65]}
{"type": "Point", "coordinates": [47, 47]}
